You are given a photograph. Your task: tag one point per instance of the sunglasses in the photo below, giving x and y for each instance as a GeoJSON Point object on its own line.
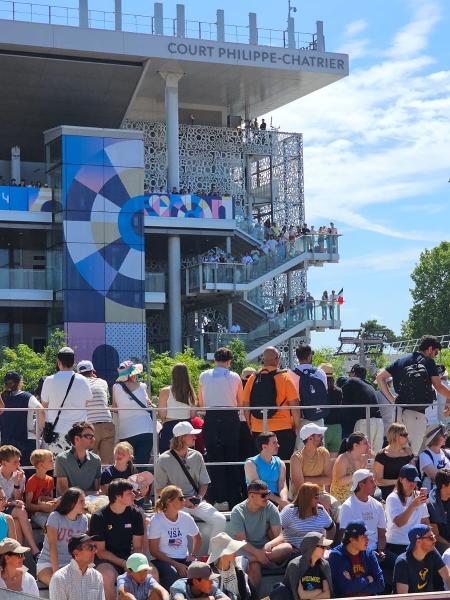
{"type": "Point", "coordinates": [89, 547]}
{"type": "Point", "coordinates": [3, 498]}
{"type": "Point", "coordinates": [88, 436]}
{"type": "Point", "coordinates": [319, 546]}
{"type": "Point", "coordinates": [18, 554]}
{"type": "Point", "coordinates": [429, 537]}
{"type": "Point", "coordinates": [262, 494]}
{"type": "Point", "coordinates": [405, 434]}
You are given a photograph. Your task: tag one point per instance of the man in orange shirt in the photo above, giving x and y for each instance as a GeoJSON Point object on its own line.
{"type": "Point", "coordinates": [285, 423]}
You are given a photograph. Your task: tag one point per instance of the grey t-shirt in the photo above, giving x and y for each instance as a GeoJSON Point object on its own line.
{"type": "Point", "coordinates": [65, 528]}
{"type": "Point", "coordinates": [181, 587]}
{"type": "Point", "coordinates": [253, 524]}
{"type": "Point", "coordinates": [82, 476]}
{"type": "Point", "coordinates": [169, 472]}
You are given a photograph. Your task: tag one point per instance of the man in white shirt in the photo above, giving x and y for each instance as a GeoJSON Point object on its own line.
{"type": "Point", "coordinates": [361, 506]}
{"type": "Point", "coordinates": [53, 392]}
{"type": "Point", "coordinates": [220, 388]}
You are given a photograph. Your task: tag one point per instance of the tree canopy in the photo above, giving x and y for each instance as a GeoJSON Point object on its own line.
{"type": "Point", "coordinates": [430, 313]}
{"type": "Point", "coordinates": [373, 328]}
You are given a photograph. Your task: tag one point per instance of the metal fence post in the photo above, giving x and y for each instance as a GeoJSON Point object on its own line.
{"type": "Point", "coordinates": [368, 424]}
{"type": "Point", "coordinates": [264, 411]}
{"type": "Point", "coordinates": [155, 451]}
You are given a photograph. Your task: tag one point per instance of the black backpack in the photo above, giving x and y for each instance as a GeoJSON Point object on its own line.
{"type": "Point", "coordinates": [264, 393]}
{"type": "Point", "coordinates": [415, 386]}
{"type": "Point", "coordinates": [312, 393]}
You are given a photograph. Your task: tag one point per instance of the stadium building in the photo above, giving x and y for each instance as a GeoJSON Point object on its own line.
{"type": "Point", "coordinates": [138, 130]}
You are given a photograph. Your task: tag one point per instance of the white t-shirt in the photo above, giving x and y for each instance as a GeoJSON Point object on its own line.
{"type": "Point", "coordinates": [172, 535]}
{"type": "Point", "coordinates": [446, 559]}
{"type": "Point", "coordinates": [29, 585]}
{"type": "Point", "coordinates": [219, 387]}
{"type": "Point", "coordinates": [399, 535]}
{"type": "Point", "coordinates": [8, 485]}
{"type": "Point", "coordinates": [53, 392]}
{"type": "Point", "coordinates": [437, 459]}
{"type": "Point", "coordinates": [33, 403]}
{"type": "Point", "coordinates": [136, 421]}
{"type": "Point", "coordinates": [371, 512]}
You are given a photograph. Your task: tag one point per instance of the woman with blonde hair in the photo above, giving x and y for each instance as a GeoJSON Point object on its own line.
{"type": "Point", "coordinates": [176, 403]}
{"type": "Point", "coordinates": [305, 514]}
{"type": "Point", "coordinates": [392, 458]}
{"type": "Point", "coordinates": [168, 535]}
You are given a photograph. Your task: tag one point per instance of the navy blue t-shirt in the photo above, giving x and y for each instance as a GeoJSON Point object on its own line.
{"type": "Point", "coordinates": [396, 369]}
{"type": "Point", "coordinates": [418, 575]}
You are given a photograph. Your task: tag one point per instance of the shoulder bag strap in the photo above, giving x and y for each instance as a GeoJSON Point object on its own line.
{"type": "Point", "coordinates": [130, 393]}
{"type": "Point", "coordinates": [185, 471]}
{"type": "Point", "coordinates": [65, 397]}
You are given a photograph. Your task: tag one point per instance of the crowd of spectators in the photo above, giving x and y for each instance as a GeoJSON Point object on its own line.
{"type": "Point", "coordinates": [22, 183]}
{"type": "Point", "coordinates": [367, 517]}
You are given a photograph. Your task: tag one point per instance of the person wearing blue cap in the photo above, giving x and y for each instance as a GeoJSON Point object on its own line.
{"type": "Point", "coordinates": [355, 569]}
{"type": "Point", "coordinates": [416, 569]}
{"type": "Point", "coordinates": [405, 508]}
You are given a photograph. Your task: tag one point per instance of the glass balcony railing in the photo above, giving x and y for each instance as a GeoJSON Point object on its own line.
{"type": "Point", "coordinates": [34, 279]}
{"type": "Point", "coordinates": [216, 273]}
{"type": "Point", "coordinates": [155, 282]}
{"type": "Point", "coordinates": [317, 313]}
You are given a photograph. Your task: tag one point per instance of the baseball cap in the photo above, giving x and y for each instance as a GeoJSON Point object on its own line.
{"type": "Point", "coordinates": [184, 428]}
{"type": "Point", "coordinates": [355, 529]}
{"type": "Point", "coordinates": [200, 570]}
{"type": "Point", "coordinates": [247, 372]}
{"type": "Point", "coordinates": [410, 473]}
{"type": "Point", "coordinates": [416, 533]}
{"type": "Point", "coordinates": [84, 365]}
{"type": "Point", "coordinates": [65, 350]}
{"type": "Point", "coordinates": [138, 562]}
{"type": "Point", "coordinates": [78, 539]}
{"type": "Point", "coordinates": [311, 429]}
{"type": "Point", "coordinates": [359, 476]}
{"type": "Point", "coordinates": [13, 546]}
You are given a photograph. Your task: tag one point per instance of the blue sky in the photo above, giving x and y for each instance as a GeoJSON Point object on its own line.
{"type": "Point", "coordinates": [376, 144]}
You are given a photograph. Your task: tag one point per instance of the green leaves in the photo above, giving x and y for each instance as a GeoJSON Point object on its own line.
{"type": "Point", "coordinates": [430, 313]}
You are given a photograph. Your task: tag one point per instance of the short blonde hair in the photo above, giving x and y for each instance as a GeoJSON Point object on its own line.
{"type": "Point", "coordinates": [40, 456]}
{"type": "Point", "coordinates": [393, 432]}
{"type": "Point", "coordinates": [126, 446]}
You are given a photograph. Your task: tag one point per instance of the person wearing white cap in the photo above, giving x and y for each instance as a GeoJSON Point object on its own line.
{"type": "Point", "coordinates": [98, 413]}
{"type": "Point", "coordinates": [313, 464]}
{"type": "Point", "coordinates": [233, 579]}
{"type": "Point", "coordinates": [362, 506]}
{"type": "Point", "coordinates": [184, 467]}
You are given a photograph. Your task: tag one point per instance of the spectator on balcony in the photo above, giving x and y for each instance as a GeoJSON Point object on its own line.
{"type": "Point", "coordinates": [263, 125]}
{"type": "Point", "coordinates": [235, 328]}
{"type": "Point", "coordinates": [174, 190]}
{"type": "Point", "coordinates": [310, 306]}
{"type": "Point", "coordinates": [18, 427]}
{"type": "Point", "coordinates": [332, 306]}
{"type": "Point", "coordinates": [255, 124]}
{"type": "Point", "coordinates": [324, 304]}
{"type": "Point", "coordinates": [13, 182]}
{"type": "Point", "coordinates": [176, 403]}
{"type": "Point", "coordinates": [221, 387]}
{"type": "Point", "coordinates": [321, 239]}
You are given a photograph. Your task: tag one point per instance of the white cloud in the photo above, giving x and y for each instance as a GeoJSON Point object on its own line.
{"type": "Point", "coordinates": [379, 137]}
{"type": "Point", "coordinates": [355, 27]}
{"type": "Point", "coordinates": [389, 261]}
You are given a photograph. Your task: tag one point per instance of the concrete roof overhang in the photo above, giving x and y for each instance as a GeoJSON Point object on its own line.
{"type": "Point", "coordinates": [55, 74]}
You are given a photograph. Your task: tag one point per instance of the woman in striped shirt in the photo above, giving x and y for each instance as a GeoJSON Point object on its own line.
{"type": "Point", "coordinates": [305, 514]}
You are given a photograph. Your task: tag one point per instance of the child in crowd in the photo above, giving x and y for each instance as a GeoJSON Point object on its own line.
{"type": "Point", "coordinates": [39, 489]}
{"type": "Point", "coordinates": [12, 480]}
{"type": "Point", "coordinates": [7, 527]}
{"type": "Point", "coordinates": [122, 468]}
{"type": "Point", "coordinates": [138, 583]}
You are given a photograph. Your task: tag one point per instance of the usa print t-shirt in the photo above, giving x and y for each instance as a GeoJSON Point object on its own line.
{"type": "Point", "coordinates": [172, 535]}
{"type": "Point", "coordinates": [65, 528]}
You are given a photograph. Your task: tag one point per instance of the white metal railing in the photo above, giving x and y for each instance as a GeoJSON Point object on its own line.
{"type": "Point", "coordinates": [412, 345]}
{"type": "Point", "coordinates": [155, 282]}
{"type": "Point", "coordinates": [99, 19]}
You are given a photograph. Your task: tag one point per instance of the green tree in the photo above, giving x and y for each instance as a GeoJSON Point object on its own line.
{"type": "Point", "coordinates": [430, 313]}
{"type": "Point", "coordinates": [327, 355]}
{"type": "Point", "coordinates": [373, 328]}
{"type": "Point", "coordinates": [30, 364]}
{"type": "Point", "coordinates": [161, 366]}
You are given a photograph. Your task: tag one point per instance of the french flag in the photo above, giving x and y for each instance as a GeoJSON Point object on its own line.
{"type": "Point", "coordinates": [340, 296]}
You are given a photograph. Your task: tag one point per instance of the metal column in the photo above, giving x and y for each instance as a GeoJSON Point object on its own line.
{"type": "Point", "coordinates": [174, 268]}
{"type": "Point", "coordinates": [173, 153]}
